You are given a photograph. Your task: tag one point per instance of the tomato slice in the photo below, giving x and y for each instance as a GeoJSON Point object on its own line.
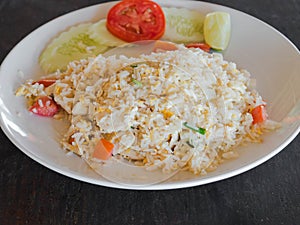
{"type": "Point", "coordinates": [135, 20]}
{"type": "Point", "coordinates": [203, 46]}
{"type": "Point", "coordinates": [44, 106]}
{"type": "Point", "coordinates": [161, 46]}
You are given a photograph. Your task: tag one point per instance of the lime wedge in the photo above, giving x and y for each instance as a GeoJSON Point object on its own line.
{"type": "Point", "coordinates": [217, 29]}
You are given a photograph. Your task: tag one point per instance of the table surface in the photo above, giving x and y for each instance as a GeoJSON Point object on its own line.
{"type": "Point", "coordinates": [33, 194]}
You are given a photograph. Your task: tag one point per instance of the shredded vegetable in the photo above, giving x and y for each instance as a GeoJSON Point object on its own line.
{"type": "Point", "coordinates": [200, 130]}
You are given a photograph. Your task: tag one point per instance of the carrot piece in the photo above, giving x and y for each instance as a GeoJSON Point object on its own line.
{"type": "Point", "coordinates": [103, 149]}
{"type": "Point", "coordinates": [259, 114]}
{"type": "Point", "coordinates": [160, 46]}
{"type": "Point", "coordinates": [71, 140]}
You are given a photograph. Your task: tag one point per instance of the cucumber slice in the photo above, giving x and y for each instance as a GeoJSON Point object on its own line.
{"type": "Point", "coordinates": [98, 32]}
{"type": "Point", "coordinates": [183, 25]}
{"type": "Point", "coordinates": [73, 44]}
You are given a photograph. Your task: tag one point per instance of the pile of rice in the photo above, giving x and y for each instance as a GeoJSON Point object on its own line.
{"type": "Point", "coordinates": [151, 106]}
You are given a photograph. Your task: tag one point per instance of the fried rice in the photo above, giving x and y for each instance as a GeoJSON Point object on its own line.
{"type": "Point", "coordinates": [183, 109]}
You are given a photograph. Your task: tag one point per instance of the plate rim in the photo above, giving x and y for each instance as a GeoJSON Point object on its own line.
{"type": "Point", "coordinates": [159, 186]}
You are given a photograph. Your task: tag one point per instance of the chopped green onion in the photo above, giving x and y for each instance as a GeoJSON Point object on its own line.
{"type": "Point", "coordinates": [133, 66]}
{"type": "Point", "coordinates": [200, 130]}
{"type": "Point", "coordinates": [138, 83]}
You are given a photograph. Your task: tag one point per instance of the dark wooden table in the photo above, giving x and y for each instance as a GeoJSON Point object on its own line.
{"type": "Point", "coordinates": [32, 194]}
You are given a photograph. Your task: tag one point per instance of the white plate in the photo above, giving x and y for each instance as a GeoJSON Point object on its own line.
{"type": "Point", "coordinates": [270, 57]}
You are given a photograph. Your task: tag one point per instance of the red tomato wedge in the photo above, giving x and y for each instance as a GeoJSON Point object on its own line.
{"type": "Point", "coordinates": [44, 106]}
{"type": "Point", "coordinates": [259, 114]}
{"type": "Point", "coordinates": [103, 149]}
{"type": "Point", "coordinates": [45, 82]}
{"type": "Point", "coordinates": [203, 46]}
{"type": "Point", "coordinates": [136, 20]}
